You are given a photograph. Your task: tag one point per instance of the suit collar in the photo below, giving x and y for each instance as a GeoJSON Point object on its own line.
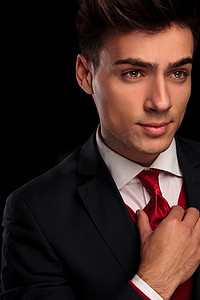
{"type": "Point", "coordinates": [89, 158]}
{"type": "Point", "coordinates": [188, 151]}
{"type": "Point", "coordinates": [189, 160]}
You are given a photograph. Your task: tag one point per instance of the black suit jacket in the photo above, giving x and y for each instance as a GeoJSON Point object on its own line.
{"type": "Point", "coordinates": [68, 234]}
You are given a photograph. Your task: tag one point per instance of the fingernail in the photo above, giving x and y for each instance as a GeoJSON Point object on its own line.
{"type": "Point", "coordinates": [138, 213]}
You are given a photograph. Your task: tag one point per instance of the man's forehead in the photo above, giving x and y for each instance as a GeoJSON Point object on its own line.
{"type": "Point", "coordinates": [172, 44]}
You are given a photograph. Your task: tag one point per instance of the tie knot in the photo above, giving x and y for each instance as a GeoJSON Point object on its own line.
{"type": "Point", "coordinates": [149, 179]}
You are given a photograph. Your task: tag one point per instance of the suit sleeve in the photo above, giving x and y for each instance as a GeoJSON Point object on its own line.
{"type": "Point", "coordinates": [30, 268]}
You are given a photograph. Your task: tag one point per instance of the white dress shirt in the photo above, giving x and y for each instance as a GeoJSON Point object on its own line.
{"type": "Point", "coordinates": [124, 172]}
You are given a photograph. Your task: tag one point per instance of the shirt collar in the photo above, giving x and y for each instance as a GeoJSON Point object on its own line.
{"type": "Point", "coordinates": [123, 169]}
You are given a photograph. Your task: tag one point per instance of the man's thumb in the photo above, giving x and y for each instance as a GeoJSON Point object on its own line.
{"type": "Point", "coordinates": [143, 225]}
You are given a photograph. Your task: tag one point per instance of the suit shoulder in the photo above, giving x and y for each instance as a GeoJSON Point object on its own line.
{"type": "Point", "coordinates": [54, 181]}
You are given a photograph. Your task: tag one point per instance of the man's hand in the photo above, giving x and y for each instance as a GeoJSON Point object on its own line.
{"type": "Point", "coordinates": [170, 254]}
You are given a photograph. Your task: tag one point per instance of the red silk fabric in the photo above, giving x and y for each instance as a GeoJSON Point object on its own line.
{"type": "Point", "coordinates": [157, 208]}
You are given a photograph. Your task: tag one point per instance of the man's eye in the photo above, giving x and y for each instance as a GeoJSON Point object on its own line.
{"type": "Point", "coordinates": [179, 75]}
{"type": "Point", "coordinates": [132, 74]}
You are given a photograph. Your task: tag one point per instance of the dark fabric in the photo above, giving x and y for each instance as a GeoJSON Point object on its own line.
{"type": "Point", "coordinates": [69, 235]}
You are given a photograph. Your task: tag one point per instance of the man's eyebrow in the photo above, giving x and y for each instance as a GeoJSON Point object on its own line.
{"type": "Point", "coordinates": [145, 64]}
{"type": "Point", "coordinates": [181, 62]}
{"type": "Point", "coordinates": [136, 62]}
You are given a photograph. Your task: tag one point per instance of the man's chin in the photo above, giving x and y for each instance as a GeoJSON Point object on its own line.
{"type": "Point", "coordinates": [155, 147]}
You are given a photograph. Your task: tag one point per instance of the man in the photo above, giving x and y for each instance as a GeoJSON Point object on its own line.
{"type": "Point", "coordinates": [82, 230]}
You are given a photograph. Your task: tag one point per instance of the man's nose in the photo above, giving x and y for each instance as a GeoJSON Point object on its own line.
{"type": "Point", "coordinates": [158, 98]}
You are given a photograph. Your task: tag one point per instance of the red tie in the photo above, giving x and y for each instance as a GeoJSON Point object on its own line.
{"type": "Point", "coordinates": [157, 208]}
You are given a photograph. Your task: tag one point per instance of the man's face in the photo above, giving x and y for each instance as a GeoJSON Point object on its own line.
{"type": "Point", "coordinates": [141, 89]}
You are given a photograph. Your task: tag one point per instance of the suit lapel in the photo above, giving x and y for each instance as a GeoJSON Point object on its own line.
{"type": "Point", "coordinates": [189, 160]}
{"type": "Point", "coordinates": [107, 209]}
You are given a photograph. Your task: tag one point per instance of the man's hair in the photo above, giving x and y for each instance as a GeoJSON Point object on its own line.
{"type": "Point", "coordinates": [97, 18]}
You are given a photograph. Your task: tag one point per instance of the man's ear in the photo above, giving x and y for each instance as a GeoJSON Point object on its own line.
{"type": "Point", "coordinates": [83, 74]}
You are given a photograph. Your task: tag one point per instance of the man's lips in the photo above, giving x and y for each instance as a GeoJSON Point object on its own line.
{"type": "Point", "coordinates": [155, 129]}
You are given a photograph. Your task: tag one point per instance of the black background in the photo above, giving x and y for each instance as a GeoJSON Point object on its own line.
{"type": "Point", "coordinates": [44, 113]}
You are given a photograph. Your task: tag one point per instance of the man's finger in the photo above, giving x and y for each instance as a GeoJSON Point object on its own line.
{"type": "Point", "coordinates": [191, 216]}
{"type": "Point", "coordinates": [177, 212]}
{"type": "Point", "coordinates": [143, 226]}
